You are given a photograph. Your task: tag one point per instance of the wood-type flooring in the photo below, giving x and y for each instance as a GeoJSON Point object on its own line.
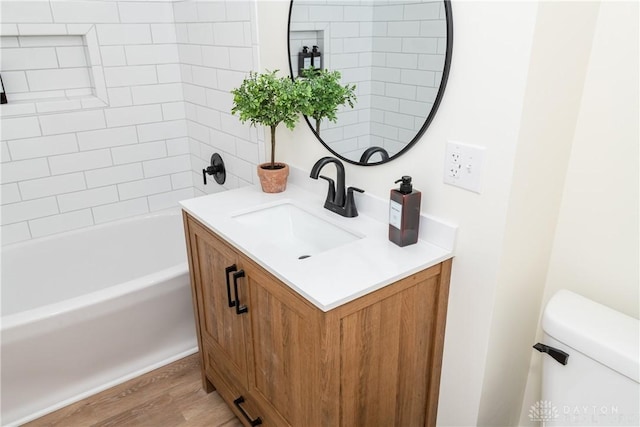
{"type": "Point", "coordinates": [171, 396]}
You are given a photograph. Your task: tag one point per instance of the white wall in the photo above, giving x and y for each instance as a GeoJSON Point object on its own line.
{"type": "Point", "coordinates": [595, 250]}
{"type": "Point", "coordinates": [75, 159]}
{"type": "Point", "coordinates": [551, 105]}
{"type": "Point", "coordinates": [482, 105]}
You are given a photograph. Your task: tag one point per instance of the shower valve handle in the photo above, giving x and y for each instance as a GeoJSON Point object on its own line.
{"type": "Point", "coordinates": [216, 169]}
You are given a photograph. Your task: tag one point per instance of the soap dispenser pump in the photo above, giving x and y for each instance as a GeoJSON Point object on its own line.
{"type": "Point", "coordinates": [404, 213]}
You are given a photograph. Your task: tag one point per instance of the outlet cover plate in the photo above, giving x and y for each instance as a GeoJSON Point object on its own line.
{"type": "Point", "coordinates": [463, 164]}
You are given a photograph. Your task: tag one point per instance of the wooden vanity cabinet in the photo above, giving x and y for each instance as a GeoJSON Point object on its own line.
{"type": "Point", "coordinates": [374, 361]}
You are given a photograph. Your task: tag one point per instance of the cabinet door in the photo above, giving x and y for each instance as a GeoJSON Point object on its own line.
{"type": "Point", "coordinates": [285, 349]}
{"type": "Point", "coordinates": [390, 354]}
{"type": "Point", "coordinates": [222, 328]}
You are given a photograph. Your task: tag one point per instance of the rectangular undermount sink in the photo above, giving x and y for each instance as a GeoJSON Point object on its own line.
{"type": "Point", "coordinates": [295, 231]}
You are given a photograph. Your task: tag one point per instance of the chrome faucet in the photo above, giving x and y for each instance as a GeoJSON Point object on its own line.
{"type": "Point", "coordinates": [336, 200]}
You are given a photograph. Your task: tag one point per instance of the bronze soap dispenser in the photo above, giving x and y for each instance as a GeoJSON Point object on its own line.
{"type": "Point", "coordinates": [404, 213]}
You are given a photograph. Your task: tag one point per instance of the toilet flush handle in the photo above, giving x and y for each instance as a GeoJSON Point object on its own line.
{"type": "Point", "coordinates": [557, 354]}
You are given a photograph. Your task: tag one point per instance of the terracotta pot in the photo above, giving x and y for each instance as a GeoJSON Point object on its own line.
{"type": "Point", "coordinates": [273, 180]}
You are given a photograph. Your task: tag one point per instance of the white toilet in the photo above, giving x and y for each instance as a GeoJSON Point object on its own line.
{"type": "Point", "coordinates": [599, 385]}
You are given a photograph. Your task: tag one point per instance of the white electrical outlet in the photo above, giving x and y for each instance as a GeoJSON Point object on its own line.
{"type": "Point", "coordinates": [463, 165]}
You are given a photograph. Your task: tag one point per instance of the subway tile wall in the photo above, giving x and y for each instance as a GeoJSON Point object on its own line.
{"type": "Point", "coordinates": [217, 46]}
{"type": "Point", "coordinates": [70, 160]}
{"type": "Point", "coordinates": [409, 47]}
{"type": "Point", "coordinates": [37, 66]}
{"type": "Point", "coordinates": [392, 51]}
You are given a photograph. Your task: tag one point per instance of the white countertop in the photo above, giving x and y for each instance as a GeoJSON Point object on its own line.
{"type": "Point", "coordinates": [336, 276]}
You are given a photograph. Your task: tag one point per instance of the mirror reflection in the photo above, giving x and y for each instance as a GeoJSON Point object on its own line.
{"type": "Point", "coordinates": [396, 53]}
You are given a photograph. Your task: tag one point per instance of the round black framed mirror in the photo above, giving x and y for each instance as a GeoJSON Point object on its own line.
{"type": "Point", "coordinates": [397, 54]}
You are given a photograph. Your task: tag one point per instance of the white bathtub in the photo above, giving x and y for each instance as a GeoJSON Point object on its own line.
{"type": "Point", "coordinates": [89, 309]}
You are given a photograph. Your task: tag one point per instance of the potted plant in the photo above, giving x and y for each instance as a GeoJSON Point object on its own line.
{"type": "Point", "coordinates": [269, 100]}
{"type": "Point", "coordinates": [326, 95]}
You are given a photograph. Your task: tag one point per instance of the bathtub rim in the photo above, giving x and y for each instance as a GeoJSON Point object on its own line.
{"type": "Point", "coordinates": [49, 311]}
{"type": "Point", "coordinates": [165, 212]}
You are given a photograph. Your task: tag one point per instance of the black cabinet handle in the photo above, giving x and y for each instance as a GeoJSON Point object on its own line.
{"type": "Point", "coordinates": [255, 422]}
{"type": "Point", "coordinates": [228, 270]}
{"type": "Point", "coordinates": [239, 308]}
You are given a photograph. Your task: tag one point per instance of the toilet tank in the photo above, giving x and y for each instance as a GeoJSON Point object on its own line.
{"type": "Point", "coordinates": [599, 385]}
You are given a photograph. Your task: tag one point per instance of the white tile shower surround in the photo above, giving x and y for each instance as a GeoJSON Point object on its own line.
{"type": "Point", "coordinates": [136, 139]}
{"type": "Point", "coordinates": [217, 47]}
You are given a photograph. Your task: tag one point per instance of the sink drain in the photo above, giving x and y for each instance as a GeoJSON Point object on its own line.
{"type": "Point", "coordinates": [303, 256]}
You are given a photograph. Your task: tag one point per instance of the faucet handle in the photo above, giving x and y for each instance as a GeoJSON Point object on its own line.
{"type": "Point", "coordinates": [350, 210]}
{"type": "Point", "coordinates": [331, 193]}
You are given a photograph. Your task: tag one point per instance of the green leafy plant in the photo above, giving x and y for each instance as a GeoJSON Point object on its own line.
{"type": "Point", "coordinates": [326, 95]}
{"type": "Point", "coordinates": [269, 100]}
